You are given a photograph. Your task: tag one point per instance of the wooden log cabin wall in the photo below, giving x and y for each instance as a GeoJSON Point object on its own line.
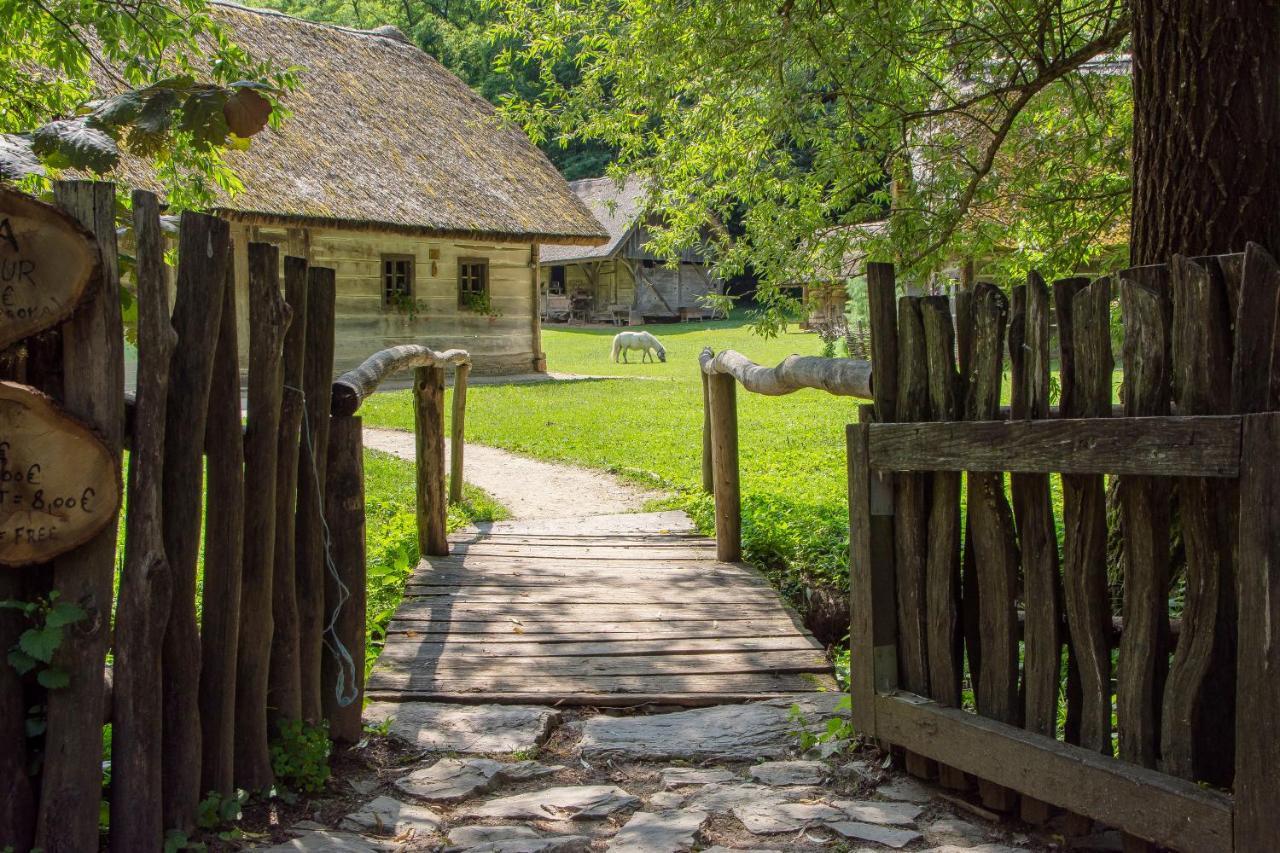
{"type": "Point", "coordinates": [205, 674]}
{"type": "Point", "coordinates": [996, 658]}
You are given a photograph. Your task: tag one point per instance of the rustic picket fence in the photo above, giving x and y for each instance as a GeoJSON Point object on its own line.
{"type": "Point", "coordinates": [194, 701]}
{"type": "Point", "coordinates": [984, 646]}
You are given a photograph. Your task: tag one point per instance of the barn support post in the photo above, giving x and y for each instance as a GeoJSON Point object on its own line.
{"type": "Point", "coordinates": [457, 431]}
{"type": "Point", "coordinates": [428, 419]}
{"type": "Point", "coordinates": [708, 468]}
{"type": "Point", "coordinates": [342, 678]}
{"type": "Point", "coordinates": [724, 443]}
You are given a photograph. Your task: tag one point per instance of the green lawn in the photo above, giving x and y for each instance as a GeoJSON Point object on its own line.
{"type": "Point", "coordinates": [648, 428]}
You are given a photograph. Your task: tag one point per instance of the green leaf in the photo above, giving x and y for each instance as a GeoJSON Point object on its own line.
{"type": "Point", "coordinates": [203, 118]}
{"type": "Point", "coordinates": [72, 144]}
{"type": "Point", "coordinates": [16, 158]}
{"type": "Point", "coordinates": [112, 114]}
{"type": "Point", "coordinates": [21, 662]}
{"type": "Point", "coordinates": [53, 678]}
{"type": "Point", "coordinates": [41, 643]}
{"type": "Point", "coordinates": [151, 128]}
{"type": "Point", "coordinates": [64, 613]}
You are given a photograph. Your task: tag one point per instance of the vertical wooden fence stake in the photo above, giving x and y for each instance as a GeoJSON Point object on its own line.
{"type": "Point", "coordinates": [458, 431]}
{"type": "Point", "coordinates": [223, 554]}
{"type": "Point", "coordinates": [428, 424]}
{"type": "Point", "coordinates": [344, 512]}
{"type": "Point", "coordinates": [708, 467]}
{"type": "Point", "coordinates": [137, 820]}
{"type": "Point", "coordinates": [284, 693]}
{"type": "Point", "coordinates": [93, 390]}
{"type": "Point", "coordinates": [317, 384]}
{"type": "Point", "coordinates": [724, 453]}
{"type": "Point", "coordinates": [269, 317]}
{"type": "Point", "coordinates": [203, 243]}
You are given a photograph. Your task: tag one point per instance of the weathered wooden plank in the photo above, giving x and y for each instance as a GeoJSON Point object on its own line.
{"type": "Point", "coordinates": [519, 629]}
{"type": "Point", "coordinates": [1254, 389]}
{"type": "Point", "coordinates": [862, 685]}
{"type": "Point", "coordinates": [1037, 533]}
{"type": "Point", "coordinates": [1257, 759]}
{"type": "Point", "coordinates": [93, 391]}
{"type": "Point", "coordinates": [1064, 292]}
{"type": "Point", "coordinates": [708, 467]}
{"type": "Point", "coordinates": [1201, 372]}
{"type": "Point", "coordinates": [673, 610]}
{"type": "Point", "coordinates": [675, 551]}
{"type": "Point", "coordinates": [223, 555]}
{"type": "Point", "coordinates": [1142, 802]}
{"type": "Point", "coordinates": [1144, 646]}
{"type": "Point", "coordinates": [317, 377]}
{"type": "Point", "coordinates": [1086, 599]}
{"type": "Point", "coordinates": [415, 664]}
{"type": "Point", "coordinates": [910, 505]}
{"type": "Point", "coordinates": [572, 697]}
{"type": "Point", "coordinates": [552, 687]}
{"type": "Point", "coordinates": [882, 297]}
{"type": "Point", "coordinates": [995, 559]}
{"type": "Point", "coordinates": [729, 598]}
{"type": "Point", "coordinates": [428, 428]}
{"type": "Point", "coordinates": [269, 316]}
{"type": "Point", "coordinates": [942, 572]}
{"type": "Point", "coordinates": [137, 819]}
{"type": "Point", "coordinates": [1179, 445]}
{"type": "Point", "coordinates": [457, 431]}
{"type": "Point", "coordinates": [342, 681]}
{"type": "Point", "coordinates": [604, 646]}
{"type": "Point", "coordinates": [284, 691]}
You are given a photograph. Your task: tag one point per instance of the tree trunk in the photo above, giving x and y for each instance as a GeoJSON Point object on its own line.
{"type": "Point", "coordinates": [1206, 153]}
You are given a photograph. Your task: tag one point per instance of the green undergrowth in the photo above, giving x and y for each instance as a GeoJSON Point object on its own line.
{"type": "Point", "coordinates": [391, 536]}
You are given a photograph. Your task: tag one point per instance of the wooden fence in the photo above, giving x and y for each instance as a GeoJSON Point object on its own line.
{"type": "Point", "coordinates": [985, 646]}
{"type": "Point", "coordinates": [193, 702]}
{"type": "Point", "coordinates": [965, 594]}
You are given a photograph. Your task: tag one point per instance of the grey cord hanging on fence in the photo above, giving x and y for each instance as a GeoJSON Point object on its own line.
{"type": "Point", "coordinates": [346, 665]}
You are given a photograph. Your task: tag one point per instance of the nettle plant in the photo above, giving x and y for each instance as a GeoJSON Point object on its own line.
{"type": "Point", "coordinates": [34, 651]}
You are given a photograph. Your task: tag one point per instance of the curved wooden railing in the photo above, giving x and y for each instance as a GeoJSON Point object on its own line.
{"type": "Point", "coordinates": [721, 372]}
{"type": "Point", "coordinates": [352, 388]}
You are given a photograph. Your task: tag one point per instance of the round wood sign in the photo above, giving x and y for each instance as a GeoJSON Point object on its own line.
{"type": "Point", "coordinates": [59, 484]}
{"type": "Point", "coordinates": [46, 263]}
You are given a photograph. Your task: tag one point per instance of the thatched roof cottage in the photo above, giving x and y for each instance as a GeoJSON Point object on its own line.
{"type": "Point", "coordinates": [620, 279]}
{"type": "Point", "coordinates": [394, 172]}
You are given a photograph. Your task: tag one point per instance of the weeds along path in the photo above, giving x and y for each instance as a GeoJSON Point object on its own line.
{"type": "Point", "coordinates": [529, 488]}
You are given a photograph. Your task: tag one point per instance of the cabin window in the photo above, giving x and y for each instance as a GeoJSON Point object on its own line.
{"type": "Point", "coordinates": [557, 281]}
{"type": "Point", "coordinates": [473, 283]}
{"type": "Point", "coordinates": [397, 279]}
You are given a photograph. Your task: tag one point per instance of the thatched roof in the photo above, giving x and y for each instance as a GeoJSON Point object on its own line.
{"type": "Point", "coordinates": [618, 209]}
{"type": "Point", "coordinates": [383, 136]}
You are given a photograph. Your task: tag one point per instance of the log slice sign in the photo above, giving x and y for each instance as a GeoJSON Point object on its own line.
{"type": "Point", "coordinates": [59, 484]}
{"type": "Point", "coordinates": [46, 263]}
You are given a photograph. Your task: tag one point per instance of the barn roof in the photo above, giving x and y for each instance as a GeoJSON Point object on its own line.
{"type": "Point", "coordinates": [382, 136]}
{"type": "Point", "coordinates": [617, 207]}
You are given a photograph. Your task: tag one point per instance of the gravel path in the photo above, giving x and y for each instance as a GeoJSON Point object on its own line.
{"type": "Point", "coordinates": [529, 488]}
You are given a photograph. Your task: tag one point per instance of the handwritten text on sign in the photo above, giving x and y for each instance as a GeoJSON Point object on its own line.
{"type": "Point", "coordinates": [59, 485]}
{"type": "Point", "coordinates": [46, 264]}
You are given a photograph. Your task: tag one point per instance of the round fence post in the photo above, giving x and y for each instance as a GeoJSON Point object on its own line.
{"type": "Point", "coordinates": [457, 432]}
{"type": "Point", "coordinates": [724, 442]}
{"type": "Point", "coordinates": [708, 469]}
{"type": "Point", "coordinates": [428, 411]}
{"type": "Point", "coordinates": [345, 592]}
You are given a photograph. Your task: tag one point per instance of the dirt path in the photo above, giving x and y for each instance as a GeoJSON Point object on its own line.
{"type": "Point", "coordinates": [529, 488]}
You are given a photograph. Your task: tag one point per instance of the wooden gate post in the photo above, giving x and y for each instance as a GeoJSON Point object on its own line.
{"type": "Point", "coordinates": [428, 419]}
{"type": "Point", "coordinates": [344, 513]}
{"type": "Point", "coordinates": [708, 468]}
{"type": "Point", "coordinates": [457, 431]}
{"type": "Point", "coordinates": [724, 443]}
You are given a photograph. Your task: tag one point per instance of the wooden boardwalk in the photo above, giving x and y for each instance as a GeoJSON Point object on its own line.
{"type": "Point", "coordinates": [620, 610]}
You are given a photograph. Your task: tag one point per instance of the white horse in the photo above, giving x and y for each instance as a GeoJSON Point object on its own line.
{"type": "Point", "coordinates": [642, 341]}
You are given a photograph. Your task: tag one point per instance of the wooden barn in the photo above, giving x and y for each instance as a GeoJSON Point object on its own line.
{"type": "Point", "coordinates": [395, 173]}
{"type": "Point", "coordinates": [620, 280]}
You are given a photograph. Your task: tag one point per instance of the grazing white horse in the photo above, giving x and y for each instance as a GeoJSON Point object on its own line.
{"type": "Point", "coordinates": [642, 341]}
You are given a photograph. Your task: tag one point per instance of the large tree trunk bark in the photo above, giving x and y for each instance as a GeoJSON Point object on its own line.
{"type": "Point", "coordinates": [1206, 154]}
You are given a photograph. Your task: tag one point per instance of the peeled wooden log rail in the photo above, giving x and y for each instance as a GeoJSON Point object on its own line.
{"type": "Point", "coordinates": [840, 376]}
{"type": "Point", "coordinates": [352, 388]}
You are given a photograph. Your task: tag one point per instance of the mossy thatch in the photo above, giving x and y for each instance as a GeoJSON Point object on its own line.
{"type": "Point", "coordinates": [382, 136]}
{"type": "Point", "coordinates": [618, 209]}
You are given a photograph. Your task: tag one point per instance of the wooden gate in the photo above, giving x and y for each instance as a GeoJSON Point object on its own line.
{"type": "Point", "coordinates": [984, 639]}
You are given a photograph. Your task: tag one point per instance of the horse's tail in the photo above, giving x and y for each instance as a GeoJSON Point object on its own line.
{"type": "Point", "coordinates": [617, 345]}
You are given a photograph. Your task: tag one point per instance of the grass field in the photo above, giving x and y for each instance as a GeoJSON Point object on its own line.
{"type": "Point", "coordinates": [647, 426]}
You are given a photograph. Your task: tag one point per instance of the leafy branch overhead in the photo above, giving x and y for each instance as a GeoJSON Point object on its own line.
{"type": "Point", "coordinates": [177, 91]}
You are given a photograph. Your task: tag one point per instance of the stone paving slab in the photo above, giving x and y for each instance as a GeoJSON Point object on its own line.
{"type": "Point", "coordinates": [669, 832]}
{"type": "Point", "coordinates": [722, 732]}
{"type": "Point", "coordinates": [451, 780]}
{"type": "Point", "coordinates": [443, 727]}
{"type": "Point", "coordinates": [573, 802]}
{"type": "Point", "coordinates": [389, 816]}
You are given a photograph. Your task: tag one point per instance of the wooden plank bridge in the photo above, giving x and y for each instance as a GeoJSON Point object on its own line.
{"type": "Point", "coordinates": [612, 610]}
